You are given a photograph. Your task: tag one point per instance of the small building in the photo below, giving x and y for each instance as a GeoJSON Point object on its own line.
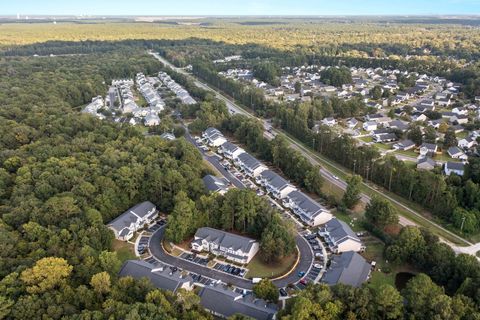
{"type": "Point", "coordinates": [275, 184]}
{"type": "Point", "coordinates": [426, 163]}
{"type": "Point", "coordinates": [162, 278]}
{"type": "Point", "coordinates": [231, 246]}
{"type": "Point", "coordinates": [352, 123]}
{"type": "Point", "coordinates": [250, 165]}
{"type": "Point", "coordinates": [309, 211]}
{"type": "Point", "coordinates": [223, 302]}
{"type": "Point", "coordinates": [214, 137]}
{"type": "Point", "coordinates": [370, 125]}
{"type": "Point", "coordinates": [349, 268]}
{"type": "Point", "coordinates": [467, 143]}
{"type": "Point", "coordinates": [167, 136]}
{"type": "Point", "coordinates": [457, 153]}
{"type": "Point", "coordinates": [386, 137]}
{"type": "Point", "coordinates": [429, 149]}
{"type": "Point", "coordinates": [152, 119]}
{"type": "Point", "coordinates": [457, 168]}
{"type": "Point", "coordinates": [215, 185]}
{"type": "Point", "coordinates": [404, 145]}
{"type": "Point", "coordinates": [135, 218]}
{"type": "Point", "coordinates": [340, 237]}
{"type": "Point", "coordinates": [329, 121]}
{"type": "Point", "coordinates": [230, 150]}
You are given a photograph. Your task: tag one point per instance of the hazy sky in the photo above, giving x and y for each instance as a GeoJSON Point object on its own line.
{"type": "Point", "coordinates": [239, 7]}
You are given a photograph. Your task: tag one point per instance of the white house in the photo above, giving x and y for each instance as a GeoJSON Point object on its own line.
{"type": "Point", "coordinates": [252, 167]}
{"type": "Point", "coordinates": [311, 213]}
{"type": "Point", "coordinates": [340, 237]}
{"type": "Point", "coordinates": [467, 143]}
{"type": "Point", "coordinates": [275, 184]}
{"type": "Point", "coordinates": [370, 125]}
{"type": "Point", "coordinates": [352, 123]}
{"type": "Point", "coordinates": [457, 153]}
{"type": "Point", "coordinates": [231, 150]}
{"type": "Point", "coordinates": [404, 145]}
{"type": "Point", "coordinates": [214, 137]}
{"type": "Point", "coordinates": [231, 246]}
{"type": "Point", "coordinates": [329, 121]}
{"type": "Point", "coordinates": [135, 218]}
{"type": "Point", "coordinates": [457, 168]}
{"type": "Point", "coordinates": [152, 119]}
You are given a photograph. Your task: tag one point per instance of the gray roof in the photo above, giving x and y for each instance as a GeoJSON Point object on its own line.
{"type": "Point", "coordinates": [305, 203]}
{"type": "Point", "coordinates": [249, 161]}
{"type": "Point", "coordinates": [427, 160]}
{"type": "Point", "coordinates": [225, 239]}
{"type": "Point", "coordinates": [211, 131]}
{"type": "Point", "coordinates": [131, 215]}
{"type": "Point", "coordinates": [227, 303]}
{"type": "Point", "coordinates": [455, 166]}
{"type": "Point", "coordinates": [406, 143]}
{"type": "Point", "coordinates": [454, 150]}
{"type": "Point", "coordinates": [215, 184]}
{"type": "Point", "coordinates": [274, 180]}
{"type": "Point", "coordinates": [339, 230]}
{"type": "Point", "coordinates": [167, 136]}
{"type": "Point", "coordinates": [163, 279]}
{"type": "Point", "coordinates": [430, 146]}
{"type": "Point", "coordinates": [349, 268]}
{"type": "Point", "coordinates": [230, 147]}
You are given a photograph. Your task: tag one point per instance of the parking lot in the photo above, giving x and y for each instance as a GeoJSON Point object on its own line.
{"type": "Point", "coordinates": [195, 259]}
{"type": "Point", "coordinates": [201, 279]}
{"type": "Point", "coordinates": [227, 268]}
{"type": "Point", "coordinates": [156, 226]}
{"type": "Point", "coordinates": [143, 244]}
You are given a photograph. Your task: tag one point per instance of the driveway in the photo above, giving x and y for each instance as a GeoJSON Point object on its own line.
{"type": "Point", "coordinates": [157, 251]}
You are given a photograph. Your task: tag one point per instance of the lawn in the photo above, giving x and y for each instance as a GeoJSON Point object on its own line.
{"type": "Point", "coordinates": [124, 250]}
{"type": "Point", "coordinates": [366, 139]}
{"type": "Point", "coordinates": [259, 269]}
{"type": "Point", "coordinates": [331, 189]}
{"type": "Point", "coordinates": [352, 219]}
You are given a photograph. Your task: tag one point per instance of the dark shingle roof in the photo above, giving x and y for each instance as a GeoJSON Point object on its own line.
{"type": "Point", "coordinates": [131, 215]}
{"type": "Point", "coordinates": [274, 180]}
{"type": "Point", "coordinates": [225, 239]}
{"type": "Point", "coordinates": [349, 268]}
{"type": "Point", "coordinates": [249, 161]}
{"type": "Point", "coordinates": [339, 230]}
{"type": "Point", "coordinates": [215, 184]}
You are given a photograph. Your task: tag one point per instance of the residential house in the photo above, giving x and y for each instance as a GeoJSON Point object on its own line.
{"type": "Point", "coordinates": [457, 168]}
{"type": "Point", "coordinates": [386, 137]}
{"type": "Point", "coordinates": [444, 102]}
{"type": "Point", "coordinates": [374, 105]}
{"type": "Point", "coordinates": [152, 119]}
{"type": "Point", "coordinates": [379, 118]}
{"type": "Point", "coordinates": [457, 153]}
{"type": "Point", "coordinates": [404, 145]}
{"type": "Point", "coordinates": [467, 143]}
{"type": "Point", "coordinates": [167, 136]}
{"type": "Point", "coordinates": [426, 163]}
{"type": "Point", "coordinates": [275, 184]}
{"type": "Point", "coordinates": [352, 123]}
{"type": "Point", "coordinates": [135, 218]}
{"type": "Point", "coordinates": [340, 237]}
{"type": "Point", "coordinates": [230, 150]}
{"type": "Point", "coordinates": [459, 119]}
{"type": "Point", "coordinates": [231, 246]}
{"type": "Point", "coordinates": [429, 149]}
{"type": "Point", "coordinates": [223, 302]}
{"type": "Point", "coordinates": [397, 125]}
{"type": "Point", "coordinates": [435, 123]}
{"type": "Point", "coordinates": [160, 277]}
{"type": "Point", "coordinates": [215, 185]}
{"type": "Point", "coordinates": [418, 117]}
{"type": "Point", "coordinates": [250, 165]}
{"type": "Point", "coordinates": [329, 121]}
{"type": "Point", "coordinates": [311, 213]}
{"type": "Point", "coordinates": [214, 137]}
{"type": "Point", "coordinates": [370, 125]}
{"type": "Point", "coordinates": [460, 111]}
{"type": "Point", "coordinates": [349, 268]}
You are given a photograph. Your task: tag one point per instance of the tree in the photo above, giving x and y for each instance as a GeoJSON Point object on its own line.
{"type": "Point", "coordinates": [266, 290]}
{"type": "Point", "coordinates": [450, 139]}
{"type": "Point", "coordinates": [430, 135]}
{"type": "Point", "coordinates": [109, 262]}
{"type": "Point", "coordinates": [465, 220]}
{"type": "Point", "coordinates": [101, 282]}
{"type": "Point", "coordinates": [352, 193]}
{"type": "Point", "coordinates": [415, 134]}
{"type": "Point", "coordinates": [376, 92]}
{"type": "Point", "coordinates": [443, 128]}
{"type": "Point", "coordinates": [181, 223]}
{"type": "Point", "coordinates": [46, 274]}
{"type": "Point", "coordinates": [298, 87]}
{"type": "Point", "coordinates": [388, 302]}
{"type": "Point", "coordinates": [381, 213]}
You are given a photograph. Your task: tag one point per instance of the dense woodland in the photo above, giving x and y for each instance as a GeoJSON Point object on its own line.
{"type": "Point", "coordinates": [63, 175]}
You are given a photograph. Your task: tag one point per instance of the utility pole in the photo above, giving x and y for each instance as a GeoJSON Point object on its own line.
{"type": "Point", "coordinates": [463, 221]}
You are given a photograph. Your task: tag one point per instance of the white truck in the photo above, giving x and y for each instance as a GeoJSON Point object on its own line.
{"type": "Point", "coordinates": [256, 280]}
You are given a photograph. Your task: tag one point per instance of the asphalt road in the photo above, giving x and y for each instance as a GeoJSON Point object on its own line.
{"type": "Point", "coordinates": [156, 250]}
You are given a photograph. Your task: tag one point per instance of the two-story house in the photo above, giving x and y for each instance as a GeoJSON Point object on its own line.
{"type": "Point", "coordinates": [309, 211]}
{"type": "Point", "coordinates": [135, 218]}
{"type": "Point", "coordinates": [275, 184]}
{"type": "Point", "coordinates": [251, 166]}
{"type": "Point", "coordinates": [340, 237]}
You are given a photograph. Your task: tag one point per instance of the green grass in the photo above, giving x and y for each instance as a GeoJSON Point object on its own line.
{"type": "Point", "coordinates": [259, 269]}
{"type": "Point", "coordinates": [478, 254]}
{"type": "Point", "coordinates": [378, 279]}
{"type": "Point", "coordinates": [124, 250]}
{"type": "Point", "coordinates": [349, 219]}
{"type": "Point", "coordinates": [366, 139]}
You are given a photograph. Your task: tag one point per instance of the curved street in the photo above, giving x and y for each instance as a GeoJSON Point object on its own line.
{"type": "Point", "coordinates": [157, 251]}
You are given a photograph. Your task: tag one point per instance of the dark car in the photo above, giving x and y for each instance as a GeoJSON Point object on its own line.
{"type": "Point", "coordinates": [283, 292]}
{"type": "Point", "coordinates": [174, 269]}
{"type": "Point", "coordinates": [301, 274]}
{"type": "Point", "coordinates": [236, 271]}
{"type": "Point", "coordinates": [162, 222]}
{"type": "Point", "coordinates": [226, 267]}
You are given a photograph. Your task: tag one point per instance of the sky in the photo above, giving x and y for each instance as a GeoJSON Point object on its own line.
{"type": "Point", "coordinates": [239, 7]}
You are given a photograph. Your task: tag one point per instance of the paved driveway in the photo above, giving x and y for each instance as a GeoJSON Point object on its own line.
{"type": "Point", "coordinates": [156, 249]}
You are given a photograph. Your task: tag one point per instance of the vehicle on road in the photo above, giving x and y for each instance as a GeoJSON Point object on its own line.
{"type": "Point", "coordinates": [317, 266]}
{"type": "Point", "coordinates": [283, 292]}
{"type": "Point", "coordinates": [335, 177]}
{"type": "Point", "coordinates": [301, 274]}
{"type": "Point", "coordinates": [256, 280]}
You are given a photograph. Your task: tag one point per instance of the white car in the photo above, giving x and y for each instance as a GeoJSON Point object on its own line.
{"type": "Point", "coordinates": [335, 177]}
{"type": "Point", "coordinates": [317, 266]}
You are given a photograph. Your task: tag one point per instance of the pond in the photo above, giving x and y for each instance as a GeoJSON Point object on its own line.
{"type": "Point", "coordinates": [401, 279]}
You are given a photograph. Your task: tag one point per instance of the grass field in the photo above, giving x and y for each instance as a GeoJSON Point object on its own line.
{"type": "Point", "coordinates": [124, 250]}
{"type": "Point", "coordinates": [259, 269]}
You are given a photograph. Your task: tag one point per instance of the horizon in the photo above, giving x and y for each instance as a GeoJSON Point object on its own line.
{"type": "Point", "coordinates": [218, 8]}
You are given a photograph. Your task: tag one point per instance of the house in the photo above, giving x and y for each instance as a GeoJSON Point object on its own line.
{"type": "Point", "coordinates": [214, 137]}
{"type": "Point", "coordinates": [215, 185]}
{"type": "Point", "coordinates": [230, 150]}
{"type": "Point", "coordinates": [340, 237]}
{"type": "Point", "coordinates": [426, 163]}
{"type": "Point", "coordinates": [352, 123]}
{"type": "Point", "coordinates": [419, 117]}
{"type": "Point", "coordinates": [152, 119]}
{"type": "Point", "coordinates": [275, 184]}
{"type": "Point", "coordinates": [379, 118]}
{"type": "Point", "coordinates": [467, 143]}
{"type": "Point", "coordinates": [404, 145]}
{"type": "Point", "coordinates": [329, 122]}
{"type": "Point", "coordinates": [435, 123]}
{"type": "Point", "coordinates": [428, 149]}
{"type": "Point", "coordinates": [250, 165]}
{"type": "Point", "coordinates": [460, 111]}
{"type": "Point", "coordinates": [457, 168]}
{"type": "Point", "coordinates": [370, 125]}
{"type": "Point", "coordinates": [135, 218]}
{"type": "Point", "coordinates": [223, 302]}
{"type": "Point", "coordinates": [397, 125]}
{"type": "Point", "coordinates": [457, 153]}
{"type": "Point", "coordinates": [349, 268]}
{"type": "Point", "coordinates": [161, 278]}
{"type": "Point", "coordinates": [167, 136]}
{"type": "Point", "coordinates": [387, 137]}
{"type": "Point", "coordinates": [231, 246]}
{"type": "Point", "coordinates": [374, 105]}
{"type": "Point", "coordinates": [444, 102]}
{"type": "Point", "coordinates": [459, 119]}
{"type": "Point", "coordinates": [311, 213]}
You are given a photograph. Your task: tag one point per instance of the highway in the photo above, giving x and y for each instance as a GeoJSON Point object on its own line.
{"type": "Point", "coordinates": [314, 159]}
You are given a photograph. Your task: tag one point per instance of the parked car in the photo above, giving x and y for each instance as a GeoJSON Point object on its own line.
{"type": "Point", "coordinates": [303, 281]}
{"type": "Point", "coordinates": [317, 266]}
{"type": "Point", "coordinates": [283, 292]}
{"type": "Point", "coordinates": [301, 274]}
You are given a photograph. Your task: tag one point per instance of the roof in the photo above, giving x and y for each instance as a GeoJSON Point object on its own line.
{"type": "Point", "coordinates": [454, 150]}
{"type": "Point", "coordinates": [406, 143]}
{"type": "Point", "coordinates": [349, 268]}
{"type": "Point", "coordinates": [212, 131]}
{"type": "Point", "coordinates": [215, 184]}
{"type": "Point", "coordinates": [339, 230]}
{"type": "Point", "coordinates": [230, 147]}
{"type": "Point", "coordinates": [226, 302]}
{"type": "Point", "coordinates": [309, 206]}
{"type": "Point", "coordinates": [426, 160]}
{"type": "Point", "coordinates": [163, 279]}
{"type": "Point", "coordinates": [132, 215]}
{"type": "Point", "coordinates": [274, 180]}
{"type": "Point", "coordinates": [429, 146]}
{"type": "Point", "coordinates": [249, 161]}
{"type": "Point", "coordinates": [225, 239]}
{"type": "Point", "coordinates": [458, 166]}
{"type": "Point", "coordinates": [167, 136]}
